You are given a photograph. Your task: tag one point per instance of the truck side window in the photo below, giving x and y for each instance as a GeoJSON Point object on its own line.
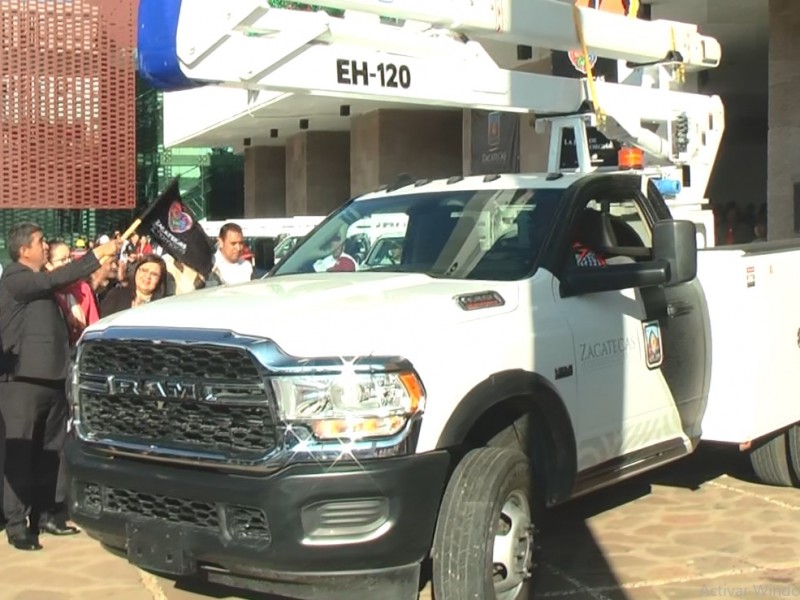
{"type": "Point", "coordinates": [608, 232]}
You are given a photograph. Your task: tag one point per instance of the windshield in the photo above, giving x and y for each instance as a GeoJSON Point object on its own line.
{"type": "Point", "coordinates": [386, 251]}
{"type": "Point", "coordinates": [285, 246]}
{"type": "Point", "coordinates": [487, 234]}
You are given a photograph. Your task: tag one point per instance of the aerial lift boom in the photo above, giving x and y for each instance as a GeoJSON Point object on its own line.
{"type": "Point", "coordinates": [432, 53]}
{"type": "Point", "coordinates": [550, 24]}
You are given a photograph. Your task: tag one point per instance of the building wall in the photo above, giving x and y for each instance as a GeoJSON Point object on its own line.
{"type": "Point", "coordinates": [364, 152]}
{"type": "Point", "coordinates": [317, 172]}
{"type": "Point", "coordinates": [67, 117]}
{"type": "Point", "coordinates": [328, 172]}
{"type": "Point", "coordinates": [784, 118]}
{"type": "Point", "coordinates": [264, 181]}
{"type": "Point", "coordinates": [425, 144]}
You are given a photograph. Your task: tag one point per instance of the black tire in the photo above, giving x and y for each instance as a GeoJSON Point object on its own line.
{"type": "Point", "coordinates": [794, 452]}
{"type": "Point", "coordinates": [772, 463]}
{"type": "Point", "coordinates": [471, 520]}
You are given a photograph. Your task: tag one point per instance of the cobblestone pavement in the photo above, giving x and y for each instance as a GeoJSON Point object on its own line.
{"type": "Point", "coordinates": [699, 528]}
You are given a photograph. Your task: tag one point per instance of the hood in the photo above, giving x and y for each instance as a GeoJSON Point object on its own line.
{"type": "Point", "coordinates": [327, 314]}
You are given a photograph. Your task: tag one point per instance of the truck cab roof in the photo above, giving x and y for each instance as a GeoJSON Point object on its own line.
{"type": "Point", "coordinates": [479, 182]}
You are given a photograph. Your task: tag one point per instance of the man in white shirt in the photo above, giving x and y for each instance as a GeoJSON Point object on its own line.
{"type": "Point", "coordinates": [228, 264]}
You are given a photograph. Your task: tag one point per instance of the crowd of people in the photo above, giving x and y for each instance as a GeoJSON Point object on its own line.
{"type": "Point", "coordinates": [49, 294]}
{"type": "Point", "coordinates": [737, 225]}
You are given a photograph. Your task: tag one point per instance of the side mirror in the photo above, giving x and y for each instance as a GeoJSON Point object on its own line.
{"type": "Point", "coordinates": [674, 261]}
{"type": "Point", "coordinates": [675, 242]}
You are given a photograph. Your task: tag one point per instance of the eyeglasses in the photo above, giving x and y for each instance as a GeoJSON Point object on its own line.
{"type": "Point", "coordinates": [61, 261]}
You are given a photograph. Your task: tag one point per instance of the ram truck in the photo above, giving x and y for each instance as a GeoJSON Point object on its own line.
{"type": "Point", "coordinates": [322, 435]}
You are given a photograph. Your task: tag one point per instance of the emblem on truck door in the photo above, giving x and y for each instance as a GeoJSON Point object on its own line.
{"type": "Point", "coordinates": [562, 372]}
{"type": "Point", "coordinates": [653, 352]}
{"type": "Point", "coordinates": [478, 300]}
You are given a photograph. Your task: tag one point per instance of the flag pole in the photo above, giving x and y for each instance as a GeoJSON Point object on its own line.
{"type": "Point", "coordinates": [128, 233]}
{"type": "Point", "coordinates": [132, 229]}
{"type": "Point", "coordinates": [137, 222]}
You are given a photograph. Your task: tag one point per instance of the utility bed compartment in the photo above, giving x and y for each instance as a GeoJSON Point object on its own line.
{"type": "Point", "coordinates": [753, 294]}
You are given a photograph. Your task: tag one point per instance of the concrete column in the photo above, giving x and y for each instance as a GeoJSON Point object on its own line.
{"type": "Point", "coordinates": [466, 142]}
{"type": "Point", "coordinates": [317, 172]}
{"type": "Point", "coordinates": [365, 173]}
{"type": "Point", "coordinates": [264, 181]}
{"type": "Point", "coordinates": [783, 170]}
{"type": "Point", "coordinates": [534, 147]}
{"type": "Point", "coordinates": [426, 144]}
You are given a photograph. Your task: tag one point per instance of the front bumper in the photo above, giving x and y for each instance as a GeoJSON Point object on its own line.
{"type": "Point", "coordinates": [305, 522]}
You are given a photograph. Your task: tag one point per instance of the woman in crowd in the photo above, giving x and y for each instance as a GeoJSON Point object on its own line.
{"type": "Point", "coordinates": [148, 282]}
{"type": "Point", "coordinates": [77, 301]}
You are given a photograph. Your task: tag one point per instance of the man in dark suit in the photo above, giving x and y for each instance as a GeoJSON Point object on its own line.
{"type": "Point", "coordinates": [33, 403]}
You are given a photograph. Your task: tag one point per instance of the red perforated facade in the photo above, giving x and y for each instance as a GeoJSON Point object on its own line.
{"type": "Point", "coordinates": [67, 104]}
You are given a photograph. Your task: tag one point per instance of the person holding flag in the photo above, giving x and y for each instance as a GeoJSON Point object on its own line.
{"type": "Point", "coordinates": [33, 402]}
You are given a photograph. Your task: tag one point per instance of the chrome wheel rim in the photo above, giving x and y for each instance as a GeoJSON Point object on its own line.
{"type": "Point", "coordinates": [512, 552]}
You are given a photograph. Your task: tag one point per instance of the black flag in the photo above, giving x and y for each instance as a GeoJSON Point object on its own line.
{"type": "Point", "coordinates": [173, 226]}
{"type": "Point", "coordinates": [495, 142]}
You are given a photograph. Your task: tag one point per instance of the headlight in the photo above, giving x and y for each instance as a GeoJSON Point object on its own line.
{"type": "Point", "coordinates": [350, 406]}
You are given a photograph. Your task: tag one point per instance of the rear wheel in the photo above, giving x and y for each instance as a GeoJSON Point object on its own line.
{"type": "Point", "coordinates": [793, 436]}
{"type": "Point", "coordinates": [772, 462]}
{"type": "Point", "coordinates": [483, 547]}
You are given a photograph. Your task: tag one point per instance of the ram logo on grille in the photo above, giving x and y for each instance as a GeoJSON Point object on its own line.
{"type": "Point", "coordinates": [151, 388]}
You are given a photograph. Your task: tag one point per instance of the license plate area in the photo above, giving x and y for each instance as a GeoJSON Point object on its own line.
{"type": "Point", "coordinates": [155, 546]}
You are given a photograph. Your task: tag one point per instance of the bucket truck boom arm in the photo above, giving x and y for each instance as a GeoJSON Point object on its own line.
{"type": "Point", "coordinates": [433, 53]}
{"type": "Point", "coordinates": [550, 24]}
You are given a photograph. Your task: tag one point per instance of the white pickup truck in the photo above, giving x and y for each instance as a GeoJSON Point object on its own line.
{"type": "Point", "coordinates": [321, 435]}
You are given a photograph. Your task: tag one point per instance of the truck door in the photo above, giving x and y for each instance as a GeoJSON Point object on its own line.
{"type": "Point", "coordinates": [640, 352]}
{"type": "Point", "coordinates": [682, 314]}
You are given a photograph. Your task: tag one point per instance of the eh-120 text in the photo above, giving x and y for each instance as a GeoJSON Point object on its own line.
{"type": "Point", "coordinates": [361, 73]}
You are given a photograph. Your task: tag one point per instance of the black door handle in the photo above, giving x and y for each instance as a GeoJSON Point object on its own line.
{"type": "Point", "coordinates": [678, 309]}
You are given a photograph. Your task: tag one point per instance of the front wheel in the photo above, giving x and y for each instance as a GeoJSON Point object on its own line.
{"type": "Point", "coordinates": [483, 547]}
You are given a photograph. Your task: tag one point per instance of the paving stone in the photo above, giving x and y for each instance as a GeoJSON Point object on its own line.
{"type": "Point", "coordinates": [686, 520]}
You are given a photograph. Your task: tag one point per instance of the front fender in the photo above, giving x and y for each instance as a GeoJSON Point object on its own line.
{"type": "Point", "coordinates": [512, 396]}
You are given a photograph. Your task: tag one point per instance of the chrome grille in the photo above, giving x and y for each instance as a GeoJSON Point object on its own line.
{"type": "Point", "coordinates": [167, 397]}
{"type": "Point", "coordinates": [179, 423]}
{"type": "Point", "coordinates": [144, 358]}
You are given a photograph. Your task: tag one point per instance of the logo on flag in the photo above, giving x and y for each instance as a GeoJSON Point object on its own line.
{"type": "Point", "coordinates": [179, 221]}
{"type": "Point", "coordinates": [171, 224]}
